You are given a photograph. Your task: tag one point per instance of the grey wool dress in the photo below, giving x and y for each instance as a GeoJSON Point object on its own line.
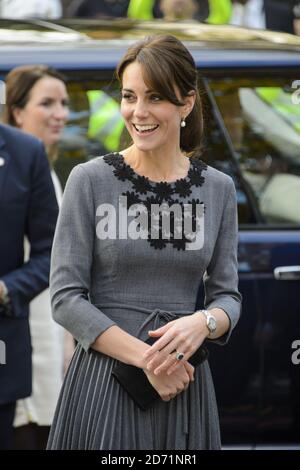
{"type": "Point", "coordinates": [115, 264]}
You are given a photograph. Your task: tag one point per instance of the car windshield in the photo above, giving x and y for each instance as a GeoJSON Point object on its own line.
{"type": "Point", "coordinates": [262, 118]}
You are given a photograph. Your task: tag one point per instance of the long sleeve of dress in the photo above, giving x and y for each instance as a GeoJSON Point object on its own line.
{"type": "Point", "coordinates": [71, 262]}
{"type": "Point", "coordinates": [221, 277]}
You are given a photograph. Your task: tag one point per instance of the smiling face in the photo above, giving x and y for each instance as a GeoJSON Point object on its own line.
{"type": "Point", "coordinates": [46, 110]}
{"type": "Point", "coordinates": [152, 121]}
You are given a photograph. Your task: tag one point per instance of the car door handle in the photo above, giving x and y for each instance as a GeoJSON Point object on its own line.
{"type": "Point", "coordinates": [287, 273]}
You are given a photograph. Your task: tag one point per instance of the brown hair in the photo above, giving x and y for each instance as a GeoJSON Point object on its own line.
{"type": "Point", "coordinates": [168, 64]}
{"type": "Point", "coordinates": [19, 83]}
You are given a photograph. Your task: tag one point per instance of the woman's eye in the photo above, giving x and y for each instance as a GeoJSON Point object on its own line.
{"type": "Point", "coordinates": [126, 96]}
{"type": "Point", "coordinates": [155, 97]}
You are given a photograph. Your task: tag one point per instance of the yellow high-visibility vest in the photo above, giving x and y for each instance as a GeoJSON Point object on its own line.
{"type": "Point", "coordinates": [281, 101]}
{"type": "Point", "coordinates": [140, 9]}
{"type": "Point", "coordinates": [106, 123]}
{"type": "Point", "coordinates": [220, 11]}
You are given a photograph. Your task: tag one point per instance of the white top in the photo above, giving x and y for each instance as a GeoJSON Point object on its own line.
{"type": "Point", "coordinates": [250, 15]}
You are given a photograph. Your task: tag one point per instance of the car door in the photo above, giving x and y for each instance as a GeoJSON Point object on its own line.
{"type": "Point", "coordinates": [254, 135]}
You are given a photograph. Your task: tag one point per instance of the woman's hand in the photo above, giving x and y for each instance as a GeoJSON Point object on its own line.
{"type": "Point", "coordinates": [69, 348]}
{"type": "Point", "coordinates": [184, 335]}
{"type": "Point", "coordinates": [168, 386]}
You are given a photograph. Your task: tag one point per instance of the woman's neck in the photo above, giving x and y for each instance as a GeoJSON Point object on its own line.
{"type": "Point", "coordinates": [52, 153]}
{"type": "Point", "coordinates": [157, 167]}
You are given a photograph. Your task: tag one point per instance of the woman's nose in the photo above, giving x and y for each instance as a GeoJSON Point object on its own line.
{"type": "Point", "coordinates": [141, 109]}
{"type": "Point", "coordinates": [61, 112]}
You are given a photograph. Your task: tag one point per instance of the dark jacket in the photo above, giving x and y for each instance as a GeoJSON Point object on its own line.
{"type": "Point", "coordinates": [280, 14]}
{"type": "Point", "coordinates": [28, 207]}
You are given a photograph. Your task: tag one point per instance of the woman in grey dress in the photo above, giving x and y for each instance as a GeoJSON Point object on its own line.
{"type": "Point", "coordinates": [138, 232]}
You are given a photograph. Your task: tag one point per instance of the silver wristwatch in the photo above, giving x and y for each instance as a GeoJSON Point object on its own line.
{"type": "Point", "coordinates": [211, 321]}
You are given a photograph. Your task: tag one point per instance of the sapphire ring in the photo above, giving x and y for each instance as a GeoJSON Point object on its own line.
{"type": "Point", "coordinates": [179, 356]}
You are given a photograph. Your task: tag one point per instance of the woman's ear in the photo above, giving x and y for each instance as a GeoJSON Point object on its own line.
{"type": "Point", "coordinates": [189, 102]}
{"type": "Point", "coordinates": [18, 116]}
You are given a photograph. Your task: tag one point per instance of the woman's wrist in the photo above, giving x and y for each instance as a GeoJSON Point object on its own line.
{"type": "Point", "coordinates": [202, 322]}
{"type": "Point", "coordinates": [139, 361]}
{"type": "Point", "coordinates": [120, 345]}
{"type": "Point", "coordinates": [220, 324]}
{"type": "Point", "coordinates": [137, 349]}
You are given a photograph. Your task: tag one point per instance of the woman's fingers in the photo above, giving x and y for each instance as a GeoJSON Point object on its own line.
{"type": "Point", "coordinates": [165, 397]}
{"type": "Point", "coordinates": [169, 352]}
{"type": "Point", "coordinates": [173, 367]}
{"type": "Point", "coordinates": [161, 355]}
{"type": "Point", "coordinates": [160, 343]}
{"type": "Point", "coordinates": [168, 359]}
{"type": "Point", "coordinates": [160, 331]}
{"type": "Point", "coordinates": [190, 370]}
{"type": "Point", "coordinates": [165, 365]}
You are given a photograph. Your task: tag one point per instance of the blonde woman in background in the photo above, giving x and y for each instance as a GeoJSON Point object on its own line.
{"type": "Point", "coordinates": [37, 103]}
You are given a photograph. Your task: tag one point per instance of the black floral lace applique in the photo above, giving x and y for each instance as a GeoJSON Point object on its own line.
{"type": "Point", "coordinates": [148, 193]}
{"type": "Point", "coordinates": [159, 243]}
{"type": "Point", "coordinates": [141, 185]}
{"type": "Point", "coordinates": [132, 198]}
{"type": "Point", "coordinates": [183, 188]}
{"type": "Point", "coordinates": [123, 173]}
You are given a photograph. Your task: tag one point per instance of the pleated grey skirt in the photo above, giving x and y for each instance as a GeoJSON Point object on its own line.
{"type": "Point", "coordinates": [94, 412]}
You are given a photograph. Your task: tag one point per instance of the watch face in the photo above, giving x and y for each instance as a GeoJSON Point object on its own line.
{"type": "Point", "coordinates": [212, 324]}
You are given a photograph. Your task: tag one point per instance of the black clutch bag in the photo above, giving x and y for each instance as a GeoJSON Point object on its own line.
{"type": "Point", "coordinates": [135, 382]}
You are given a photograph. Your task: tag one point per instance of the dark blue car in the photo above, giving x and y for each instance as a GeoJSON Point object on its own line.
{"type": "Point", "coordinates": [250, 85]}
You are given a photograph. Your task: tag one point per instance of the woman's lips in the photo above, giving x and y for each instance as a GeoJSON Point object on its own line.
{"type": "Point", "coordinates": [145, 130]}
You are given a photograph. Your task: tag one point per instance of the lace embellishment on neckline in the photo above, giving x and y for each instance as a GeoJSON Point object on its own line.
{"type": "Point", "coordinates": [147, 192]}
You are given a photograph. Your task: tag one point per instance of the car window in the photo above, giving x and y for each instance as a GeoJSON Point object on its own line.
{"type": "Point", "coordinates": [95, 126]}
{"type": "Point", "coordinates": [216, 152]}
{"type": "Point", "coordinates": [262, 118]}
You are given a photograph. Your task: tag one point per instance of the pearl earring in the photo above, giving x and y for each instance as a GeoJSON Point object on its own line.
{"type": "Point", "coordinates": [183, 123]}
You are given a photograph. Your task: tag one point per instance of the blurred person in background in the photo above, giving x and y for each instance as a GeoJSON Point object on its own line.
{"type": "Point", "coordinates": [248, 13]}
{"type": "Point", "coordinates": [94, 9]}
{"type": "Point", "coordinates": [28, 207]}
{"type": "Point", "coordinates": [296, 12]}
{"type": "Point", "coordinates": [219, 11]}
{"type": "Point", "coordinates": [135, 9]}
{"type": "Point", "coordinates": [282, 15]}
{"type": "Point", "coordinates": [184, 9]}
{"type": "Point", "coordinates": [30, 9]}
{"type": "Point", "coordinates": [212, 11]}
{"type": "Point", "coordinates": [37, 103]}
